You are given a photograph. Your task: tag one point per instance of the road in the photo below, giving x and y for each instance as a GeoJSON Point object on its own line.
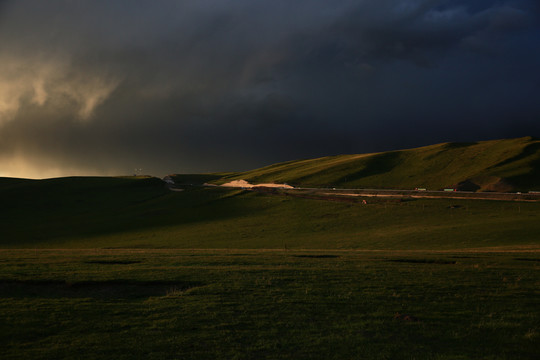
{"type": "Point", "coordinates": [411, 194]}
{"type": "Point", "coordinates": [336, 193]}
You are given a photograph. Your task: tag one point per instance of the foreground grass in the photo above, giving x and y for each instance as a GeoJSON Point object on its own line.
{"type": "Point", "coordinates": [247, 304]}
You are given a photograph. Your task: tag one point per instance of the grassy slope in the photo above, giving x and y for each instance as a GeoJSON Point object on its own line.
{"type": "Point", "coordinates": [198, 179]}
{"type": "Point", "coordinates": [114, 212]}
{"type": "Point", "coordinates": [498, 165]}
{"type": "Point", "coordinates": [38, 210]}
{"type": "Point", "coordinates": [6, 183]}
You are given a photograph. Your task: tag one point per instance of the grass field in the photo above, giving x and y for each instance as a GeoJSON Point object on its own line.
{"type": "Point", "coordinates": [123, 268]}
{"type": "Point", "coordinates": [142, 213]}
{"type": "Point", "coordinates": [268, 304]}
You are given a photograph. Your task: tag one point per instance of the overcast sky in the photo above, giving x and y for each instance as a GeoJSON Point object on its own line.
{"type": "Point", "coordinates": [106, 87]}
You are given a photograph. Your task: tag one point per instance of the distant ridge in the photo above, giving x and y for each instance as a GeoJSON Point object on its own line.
{"type": "Point", "coordinates": [496, 165]}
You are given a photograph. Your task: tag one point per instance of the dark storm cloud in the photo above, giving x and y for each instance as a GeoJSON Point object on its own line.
{"type": "Point", "coordinates": [169, 86]}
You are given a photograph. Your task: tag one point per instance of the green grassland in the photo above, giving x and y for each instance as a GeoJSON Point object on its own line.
{"type": "Point", "coordinates": [268, 304]}
{"type": "Point", "coordinates": [143, 213]}
{"type": "Point", "coordinates": [498, 165]}
{"type": "Point", "coordinates": [124, 268]}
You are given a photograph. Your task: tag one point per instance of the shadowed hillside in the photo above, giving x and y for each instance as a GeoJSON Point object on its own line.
{"type": "Point", "coordinates": [143, 213]}
{"type": "Point", "coordinates": [498, 165]}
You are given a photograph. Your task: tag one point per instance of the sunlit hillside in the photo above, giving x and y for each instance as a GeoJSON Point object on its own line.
{"type": "Point", "coordinates": [498, 165]}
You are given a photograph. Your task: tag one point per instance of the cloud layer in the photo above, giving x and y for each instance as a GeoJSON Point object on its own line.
{"type": "Point", "coordinates": [100, 87]}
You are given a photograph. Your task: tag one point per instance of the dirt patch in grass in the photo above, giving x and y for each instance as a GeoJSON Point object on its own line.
{"type": "Point", "coordinates": [317, 256]}
{"type": "Point", "coordinates": [110, 289]}
{"type": "Point", "coordinates": [424, 261]}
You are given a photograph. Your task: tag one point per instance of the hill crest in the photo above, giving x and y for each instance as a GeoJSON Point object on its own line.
{"type": "Point", "coordinates": [494, 165]}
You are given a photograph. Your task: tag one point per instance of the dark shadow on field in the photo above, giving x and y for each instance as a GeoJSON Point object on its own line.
{"type": "Point", "coordinates": [457, 145]}
{"type": "Point", "coordinates": [374, 165]}
{"type": "Point", "coordinates": [13, 182]}
{"type": "Point", "coordinates": [113, 262]}
{"type": "Point", "coordinates": [112, 289]}
{"type": "Point", "coordinates": [467, 185]}
{"type": "Point", "coordinates": [527, 151]}
{"type": "Point", "coordinates": [424, 261]}
{"type": "Point", "coordinates": [196, 179]}
{"type": "Point", "coordinates": [530, 157]}
{"type": "Point", "coordinates": [441, 151]}
{"type": "Point", "coordinates": [530, 180]}
{"type": "Point", "coordinates": [35, 212]}
{"type": "Point", "coordinates": [317, 256]}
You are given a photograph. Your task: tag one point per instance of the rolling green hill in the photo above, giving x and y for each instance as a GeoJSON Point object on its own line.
{"type": "Point", "coordinates": [498, 165]}
{"type": "Point", "coordinates": [99, 212]}
{"type": "Point", "coordinates": [105, 212]}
